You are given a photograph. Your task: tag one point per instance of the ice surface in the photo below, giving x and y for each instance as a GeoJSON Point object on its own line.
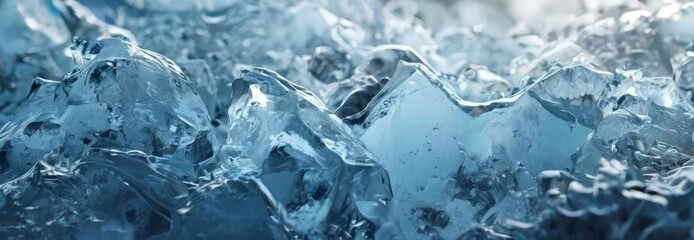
{"type": "Point", "coordinates": [360, 119]}
{"type": "Point", "coordinates": [43, 30]}
{"type": "Point", "coordinates": [118, 97]}
{"type": "Point", "coordinates": [102, 194]}
{"type": "Point", "coordinates": [228, 209]}
{"type": "Point", "coordinates": [432, 166]}
{"type": "Point", "coordinates": [329, 184]}
{"type": "Point", "coordinates": [618, 196]}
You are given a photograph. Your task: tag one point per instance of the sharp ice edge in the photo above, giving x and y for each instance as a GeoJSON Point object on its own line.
{"type": "Point", "coordinates": [371, 122]}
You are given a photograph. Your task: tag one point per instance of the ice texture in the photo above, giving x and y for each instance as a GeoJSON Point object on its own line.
{"type": "Point", "coordinates": [42, 30]}
{"type": "Point", "coordinates": [433, 167]}
{"type": "Point", "coordinates": [359, 119]}
{"type": "Point", "coordinates": [329, 184]}
{"type": "Point", "coordinates": [117, 97]}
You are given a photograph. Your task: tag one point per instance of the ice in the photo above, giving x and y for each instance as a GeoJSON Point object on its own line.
{"type": "Point", "coordinates": [576, 93]}
{"type": "Point", "coordinates": [624, 43]}
{"type": "Point", "coordinates": [684, 74]}
{"type": "Point", "coordinates": [357, 100]}
{"type": "Point", "coordinates": [351, 95]}
{"type": "Point", "coordinates": [469, 46]}
{"type": "Point", "coordinates": [360, 119]}
{"type": "Point", "coordinates": [50, 198]}
{"type": "Point", "coordinates": [44, 30]}
{"type": "Point", "coordinates": [34, 52]}
{"type": "Point", "coordinates": [618, 196]}
{"type": "Point", "coordinates": [159, 5]}
{"type": "Point", "coordinates": [228, 208]}
{"type": "Point", "coordinates": [461, 171]}
{"type": "Point", "coordinates": [478, 83]}
{"type": "Point", "coordinates": [134, 99]}
{"type": "Point", "coordinates": [118, 97]}
{"type": "Point", "coordinates": [329, 65]}
{"type": "Point", "coordinates": [327, 181]}
{"type": "Point", "coordinates": [285, 35]}
{"type": "Point", "coordinates": [43, 24]}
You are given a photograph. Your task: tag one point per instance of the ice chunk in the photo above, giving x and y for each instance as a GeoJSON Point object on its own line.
{"type": "Point", "coordinates": [650, 126]}
{"type": "Point", "coordinates": [307, 158]}
{"type": "Point", "coordinates": [465, 158]}
{"type": "Point", "coordinates": [303, 41]}
{"type": "Point", "coordinates": [120, 97]}
{"type": "Point", "coordinates": [668, 110]}
{"type": "Point", "coordinates": [576, 93]}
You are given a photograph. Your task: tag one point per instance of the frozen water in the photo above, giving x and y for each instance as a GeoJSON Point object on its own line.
{"type": "Point", "coordinates": [119, 96]}
{"type": "Point", "coordinates": [360, 119]}
{"type": "Point", "coordinates": [228, 208]}
{"type": "Point", "coordinates": [42, 30]}
{"type": "Point", "coordinates": [457, 172]}
{"type": "Point", "coordinates": [618, 196]}
{"type": "Point", "coordinates": [329, 184]}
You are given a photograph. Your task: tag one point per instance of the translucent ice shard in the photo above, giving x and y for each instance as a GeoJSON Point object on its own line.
{"type": "Point", "coordinates": [307, 158]}
{"type": "Point", "coordinates": [119, 96]}
{"type": "Point", "coordinates": [463, 161]}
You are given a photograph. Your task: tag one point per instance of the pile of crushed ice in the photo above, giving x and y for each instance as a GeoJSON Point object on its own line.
{"type": "Point", "coordinates": [355, 119]}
